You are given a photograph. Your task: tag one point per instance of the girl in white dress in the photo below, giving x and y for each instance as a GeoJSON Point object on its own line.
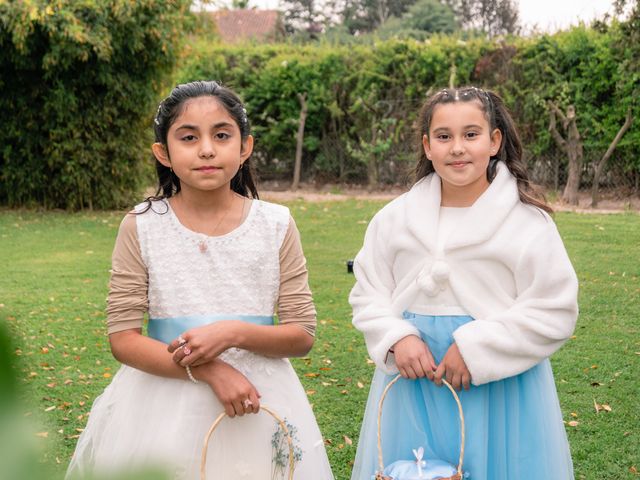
{"type": "Point", "coordinates": [212, 265]}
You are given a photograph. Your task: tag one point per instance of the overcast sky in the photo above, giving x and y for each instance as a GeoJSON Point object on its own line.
{"type": "Point", "coordinates": [548, 15]}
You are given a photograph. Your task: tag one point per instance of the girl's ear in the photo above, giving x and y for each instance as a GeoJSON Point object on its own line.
{"type": "Point", "coordinates": [496, 141]}
{"type": "Point", "coordinates": [160, 152]}
{"type": "Point", "coordinates": [425, 145]}
{"type": "Point", "coordinates": [246, 148]}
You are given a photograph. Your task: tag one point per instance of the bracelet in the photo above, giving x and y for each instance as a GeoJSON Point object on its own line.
{"type": "Point", "coordinates": [190, 375]}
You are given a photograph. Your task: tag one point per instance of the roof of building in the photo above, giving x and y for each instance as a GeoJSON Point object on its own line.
{"type": "Point", "coordinates": [237, 25]}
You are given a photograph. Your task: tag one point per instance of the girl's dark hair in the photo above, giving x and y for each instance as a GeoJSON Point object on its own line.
{"type": "Point", "coordinates": [498, 116]}
{"type": "Point", "coordinates": [172, 106]}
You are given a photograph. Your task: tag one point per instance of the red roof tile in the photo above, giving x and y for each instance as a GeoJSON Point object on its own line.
{"type": "Point", "coordinates": [237, 25]}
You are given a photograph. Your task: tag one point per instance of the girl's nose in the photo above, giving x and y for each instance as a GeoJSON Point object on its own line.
{"type": "Point", "coordinates": [206, 150]}
{"type": "Point", "coordinates": [457, 148]}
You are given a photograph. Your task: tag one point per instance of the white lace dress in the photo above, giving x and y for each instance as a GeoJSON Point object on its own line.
{"type": "Point", "coordinates": [142, 419]}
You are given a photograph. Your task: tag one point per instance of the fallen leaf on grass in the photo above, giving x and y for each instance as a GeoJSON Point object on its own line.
{"type": "Point", "coordinates": [360, 385]}
{"type": "Point", "coordinates": [42, 434]}
{"type": "Point", "coordinates": [573, 423]}
{"type": "Point", "coordinates": [599, 406]}
{"type": "Point", "coordinates": [347, 440]}
{"type": "Point", "coordinates": [310, 392]}
{"type": "Point", "coordinates": [48, 409]}
{"type": "Point", "coordinates": [311, 374]}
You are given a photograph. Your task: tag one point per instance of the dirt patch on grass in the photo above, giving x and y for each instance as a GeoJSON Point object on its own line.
{"type": "Point", "coordinates": [610, 202]}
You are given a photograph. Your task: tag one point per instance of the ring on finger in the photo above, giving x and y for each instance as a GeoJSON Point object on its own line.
{"type": "Point", "coordinates": [181, 341]}
{"type": "Point", "coordinates": [186, 350]}
{"type": "Point", "coordinates": [247, 403]}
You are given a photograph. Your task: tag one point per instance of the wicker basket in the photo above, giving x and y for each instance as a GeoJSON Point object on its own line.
{"type": "Point", "coordinates": [459, 473]}
{"type": "Point", "coordinates": [216, 422]}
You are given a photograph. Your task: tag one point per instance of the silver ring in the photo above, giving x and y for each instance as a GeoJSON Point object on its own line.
{"type": "Point", "coordinates": [181, 341]}
{"type": "Point", "coordinates": [247, 403]}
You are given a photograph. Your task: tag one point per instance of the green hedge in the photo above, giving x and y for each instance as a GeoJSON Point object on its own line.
{"type": "Point", "coordinates": [363, 99]}
{"type": "Point", "coordinates": [80, 80]}
{"type": "Point", "coordinates": [78, 84]}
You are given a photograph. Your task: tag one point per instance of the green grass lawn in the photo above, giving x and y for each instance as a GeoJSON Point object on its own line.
{"type": "Point", "coordinates": [54, 284]}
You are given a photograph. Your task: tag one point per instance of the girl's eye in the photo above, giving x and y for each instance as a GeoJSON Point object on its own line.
{"type": "Point", "coordinates": [443, 136]}
{"type": "Point", "coordinates": [188, 138]}
{"type": "Point", "coordinates": [472, 134]}
{"type": "Point", "coordinates": [222, 135]}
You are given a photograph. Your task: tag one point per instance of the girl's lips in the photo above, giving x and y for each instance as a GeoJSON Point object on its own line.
{"type": "Point", "coordinates": [207, 169]}
{"type": "Point", "coordinates": [458, 164]}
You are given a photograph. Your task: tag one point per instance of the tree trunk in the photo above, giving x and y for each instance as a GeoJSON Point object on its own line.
{"type": "Point", "coordinates": [572, 146]}
{"type": "Point", "coordinates": [570, 192]}
{"type": "Point", "coordinates": [297, 166]}
{"type": "Point", "coordinates": [372, 163]}
{"type": "Point", "coordinates": [600, 165]}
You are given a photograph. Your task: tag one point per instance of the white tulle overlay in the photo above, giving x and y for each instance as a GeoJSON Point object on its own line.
{"type": "Point", "coordinates": [144, 420]}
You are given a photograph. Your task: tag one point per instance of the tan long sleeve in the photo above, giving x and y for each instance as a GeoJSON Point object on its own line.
{"type": "Point", "coordinates": [295, 304]}
{"type": "Point", "coordinates": [128, 299]}
{"type": "Point", "coordinates": [128, 288]}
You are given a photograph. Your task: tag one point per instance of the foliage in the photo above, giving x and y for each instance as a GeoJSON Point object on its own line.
{"type": "Point", "coordinates": [491, 17]}
{"type": "Point", "coordinates": [364, 97]}
{"type": "Point", "coordinates": [423, 18]}
{"type": "Point", "coordinates": [361, 16]}
{"type": "Point", "coordinates": [78, 86]}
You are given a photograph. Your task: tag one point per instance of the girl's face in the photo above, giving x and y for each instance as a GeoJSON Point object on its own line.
{"type": "Point", "coordinates": [459, 144]}
{"type": "Point", "coordinates": [204, 146]}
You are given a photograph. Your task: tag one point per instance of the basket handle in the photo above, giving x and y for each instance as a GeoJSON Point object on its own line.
{"type": "Point", "coordinates": [457, 399]}
{"type": "Point", "coordinates": [216, 422]}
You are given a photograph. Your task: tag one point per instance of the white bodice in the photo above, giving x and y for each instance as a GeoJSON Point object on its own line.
{"type": "Point", "coordinates": [238, 273]}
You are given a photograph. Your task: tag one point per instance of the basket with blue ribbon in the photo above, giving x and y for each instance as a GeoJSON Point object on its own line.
{"type": "Point", "coordinates": [419, 468]}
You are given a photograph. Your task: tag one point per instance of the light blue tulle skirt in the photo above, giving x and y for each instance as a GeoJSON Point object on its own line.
{"type": "Point", "coordinates": [514, 427]}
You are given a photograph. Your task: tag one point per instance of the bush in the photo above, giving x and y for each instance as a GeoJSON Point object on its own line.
{"type": "Point", "coordinates": [78, 85]}
{"type": "Point", "coordinates": [364, 97]}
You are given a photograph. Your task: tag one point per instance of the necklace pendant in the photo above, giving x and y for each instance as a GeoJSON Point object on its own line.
{"type": "Point", "coordinates": [202, 246]}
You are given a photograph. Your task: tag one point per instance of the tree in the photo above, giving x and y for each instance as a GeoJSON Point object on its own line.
{"type": "Point", "coordinates": [297, 165]}
{"type": "Point", "coordinates": [571, 145]}
{"type": "Point", "coordinates": [362, 16]}
{"type": "Point", "coordinates": [599, 166]}
{"type": "Point", "coordinates": [492, 17]}
{"type": "Point", "coordinates": [422, 18]}
{"type": "Point", "coordinates": [302, 16]}
{"type": "Point", "coordinates": [81, 80]}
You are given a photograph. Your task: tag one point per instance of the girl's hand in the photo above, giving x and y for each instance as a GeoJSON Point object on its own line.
{"type": "Point", "coordinates": [453, 369]}
{"type": "Point", "coordinates": [236, 393]}
{"type": "Point", "coordinates": [413, 358]}
{"type": "Point", "coordinates": [202, 344]}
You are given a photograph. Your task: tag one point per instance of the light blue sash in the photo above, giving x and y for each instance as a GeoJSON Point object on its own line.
{"type": "Point", "coordinates": [168, 329]}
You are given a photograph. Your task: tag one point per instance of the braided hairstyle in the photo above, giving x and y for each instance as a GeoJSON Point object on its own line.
{"type": "Point", "coordinates": [498, 116]}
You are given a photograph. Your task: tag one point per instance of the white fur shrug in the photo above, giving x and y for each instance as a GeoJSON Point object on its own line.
{"type": "Point", "coordinates": [505, 263]}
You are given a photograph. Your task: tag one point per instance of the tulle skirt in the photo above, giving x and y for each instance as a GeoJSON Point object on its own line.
{"type": "Point", "coordinates": [142, 420]}
{"type": "Point", "coordinates": [514, 427]}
